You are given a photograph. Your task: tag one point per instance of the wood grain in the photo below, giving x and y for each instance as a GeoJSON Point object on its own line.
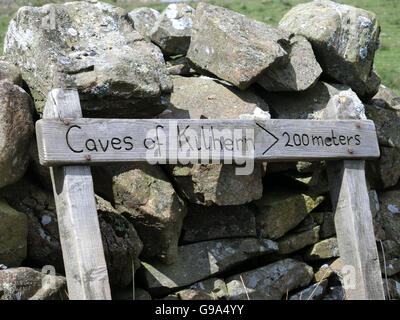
{"type": "Point", "coordinates": [84, 261]}
{"type": "Point", "coordinates": [353, 222]}
{"type": "Point", "coordinates": [82, 141]}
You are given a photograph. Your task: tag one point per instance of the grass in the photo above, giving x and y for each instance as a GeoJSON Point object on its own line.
{"type": "Point", "coordinates": [387, 59]}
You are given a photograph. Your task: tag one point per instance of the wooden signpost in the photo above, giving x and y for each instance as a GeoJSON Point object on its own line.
{"type": "Point", "coordinates": [69, 143]}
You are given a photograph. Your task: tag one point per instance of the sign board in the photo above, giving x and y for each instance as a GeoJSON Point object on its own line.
{"type": "Point", "coordinates": [65, 138]}
{"type": "Point", "coordinates": [79, 141]}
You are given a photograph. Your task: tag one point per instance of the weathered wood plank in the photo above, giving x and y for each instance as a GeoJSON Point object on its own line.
{"type": "Point", "coordinates": [78, 141]}
{"type": "Point", "coordinates": [81, 242]}
{"type": "Point", "coordinates": [353, 221]}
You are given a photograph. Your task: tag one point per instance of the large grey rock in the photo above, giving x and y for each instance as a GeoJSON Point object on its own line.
{"type": "Point", "coordinates": [344, 105]}
{"type": "Point", "coordinates": [296, 241]}
{"type": "Point", "coordinates": [216, 222]}
{"type": "Point", "coordinates": [38, 205]}
{"type": "Point", "coordinates": [13, 235]}
{"type": "Point", "coordinates": [384, 172]}
{"type": "Point", "coordinates": [233, 47]}
{"type": "Point", "coordinates": [270, 282]}
{"type": "Point", "coordinates": [121, 243]}
{"type": "Point", "coordinates": [301, 72]}
{"type": "Point", "coordinates": [179, 66]}
{"type": "Point", "coordinates": [173, 29]}
{"type": "Point", "coordinates": [324, 249]}
{"type": "Point", "coordinates": [29, 284]}
{"type": "Point", "coordinates": [387, 124]}
{"type": "Point", "coordinates": [144, 195]}
{"type": "Point", "coordinates": [386, 98]}
{"type": "Point", "coordinates": [344, 39]}
{"type": "Point", "coordinates": [9, 72]}
{"type": "Point", "coordinates": [16, 130]}
{"type": "Point", "coordinates": [388, 217]}
{"type": "Point", "coordinates": [202, 260]}
{"type": "Point", "coordinates": [209, 184]}
{"type": "Point", "coordinates": [308, 104]}
{"type": "Point", "coordinates": [91, 46]}
{"type": "Point", "coordinates": [144, 19]}
{"type": "Point", "coordinates": [211, 100]}
{"type": "Point", "coordinates": [279, 212]}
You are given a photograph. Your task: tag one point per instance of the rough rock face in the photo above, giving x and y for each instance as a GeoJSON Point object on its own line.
{"type": "Point", "coordinates": [44, 246]}
{"type": "Point", "coordinates": [280, 212]}
{"type": "Point", "coordinates": [13, 236]}
{"type": "Point", "coordinates": [217, 184]}
{"type": "Point", "coordinates": [92, 47]}
{"type": "Point", "coordinates": [384, 172]}
{"type": "Point", "coordinates": [324, 249]}
{"type": "Point", "coordinates": [9, 72]}
{"type": "Point", "coordinates": [121, 243]}
{"type": "Point", "coordinates": [301, 72]}
{"type": "Point", "coordinates": [28, 284]}
{"type": "Point", "coordinates": [211, 100]}
{"type": "Point", "coordinates": [220, 36]}
{"type": "Point", "coordinates": [386, 98]}
{"type": "Point", "coordinates": [388, 217]}
{"type": "Point", "coordinates": [210, 223]}
{"type": "Point", "coordinates": [294, 242]}
{"type": "Point", "coordinates": [143, 194]}
{"type": "Point", "coordinates": [16, 129]}
{"type": "Point", "coordinates": [201, 260]}
{"type": "Point", "coordinates": [387, 123]}
{"type": "Point", "coordinates": [42, 174]}
{"type": "Point", "coordinates": [173, 28]}
{"type": "Point", "coordinates": [180, 67]}
{"type": "Point", "coordinates": [302, 105]}
{"type": "Point", "coordinates": [270, 282]}
{"type": "Point", "coordinates": [344, 39]}
{"type": "Point", "coordinates": [144, 20]}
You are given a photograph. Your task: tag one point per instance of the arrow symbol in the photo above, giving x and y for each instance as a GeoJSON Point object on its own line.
{"type": "Point", "coordinates": [272, 135]}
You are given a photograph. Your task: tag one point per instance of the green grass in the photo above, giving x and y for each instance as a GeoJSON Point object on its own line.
{"type": "Point", "coordinates": [387, 59]}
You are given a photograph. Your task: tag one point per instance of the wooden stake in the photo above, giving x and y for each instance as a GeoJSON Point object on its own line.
{"type": "Point", "coordinates": [84, 261]}
{"type": "Point", "coordinates": [353, 221]}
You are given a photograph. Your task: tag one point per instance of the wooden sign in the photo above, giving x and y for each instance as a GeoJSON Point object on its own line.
{"type": "Point", "coordinates": [79, 141]}
{"type": "Point", "coordinates": [65, 138]}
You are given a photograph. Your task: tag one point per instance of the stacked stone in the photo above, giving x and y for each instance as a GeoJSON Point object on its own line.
{"type": "Point", "coordinates": [196, 231]}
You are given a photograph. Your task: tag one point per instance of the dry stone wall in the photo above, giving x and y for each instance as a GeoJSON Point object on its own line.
{"type": "Point", "coordinates": [195, 231]}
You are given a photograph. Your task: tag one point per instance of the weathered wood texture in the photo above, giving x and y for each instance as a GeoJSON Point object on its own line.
{"type": "Point", "coordinates": [78, 141]}
{"type": "Point", "coordinates": [354, 228]}
{"type": "Point", "coordinates": [81, 242]}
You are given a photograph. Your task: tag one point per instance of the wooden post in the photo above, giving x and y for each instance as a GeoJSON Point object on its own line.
{"type": "Point", "coordinates": [84, 261]}
{"type": "Point", "coordinates": [353, 220]}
